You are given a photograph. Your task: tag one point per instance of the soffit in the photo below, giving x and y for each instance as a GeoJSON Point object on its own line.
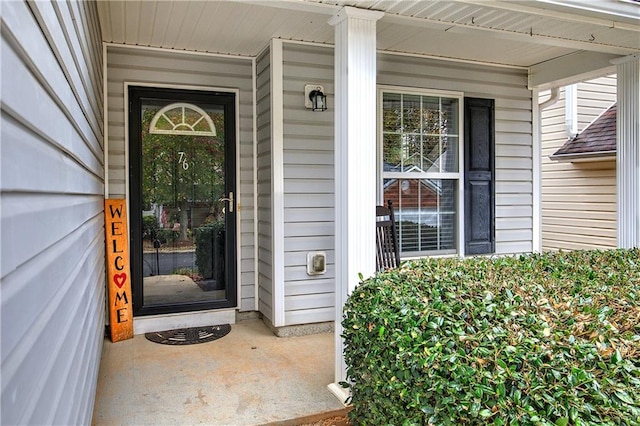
{"type": "Point", "coordinates": [228, 27]}
{"type": "Point", "coordinates": [511, 33]}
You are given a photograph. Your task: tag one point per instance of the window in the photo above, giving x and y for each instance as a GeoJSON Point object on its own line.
{"type": "Point", "coordinates": [182, 119]}
{"type": "Point", "coordinates": [421, 168]}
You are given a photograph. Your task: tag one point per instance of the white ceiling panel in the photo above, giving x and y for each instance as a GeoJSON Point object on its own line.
{"type": "Point", "coordinates": [158, 23]}
{"type": "Point", "coordinates": [145, 32]}
{"type": "Point", "coordinates": [181, 16]}
{"type": "Point", "coordinates": [195, 22]}
{"type": "Point", "coordinates": [503, 32]}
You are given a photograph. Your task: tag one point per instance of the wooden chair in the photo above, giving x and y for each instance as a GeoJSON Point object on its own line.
{"type": "Point", "coordinates": [387, 250]}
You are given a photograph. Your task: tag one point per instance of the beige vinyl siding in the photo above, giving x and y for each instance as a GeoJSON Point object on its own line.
{"type": "Point", "coordinates": [513, 132]}
{"type": "Point", "coordinates": [308, 185]}
{"type": "Point", "coordinates": [594, 97]}
{"type": "Point", "coordinates": [51, 214]}
{"type": "Point", "coordinates": [579, 198]}
{"type": "Point", "coordinates": [265, 221]}
{"type": "Point", "coordinates": [169, 69]}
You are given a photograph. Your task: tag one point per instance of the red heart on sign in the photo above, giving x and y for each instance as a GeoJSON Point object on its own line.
{"type": "Point", "coordinates": [119, 279]}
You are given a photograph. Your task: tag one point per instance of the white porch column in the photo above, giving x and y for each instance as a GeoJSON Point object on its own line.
{"type": "Point", "coordinates": [628, 151]}
{"type": "Point", "coordinates": [355, 159]}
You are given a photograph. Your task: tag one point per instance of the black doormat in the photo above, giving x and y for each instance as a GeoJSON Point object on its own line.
{"type": "Point", "coordinates": [189, 336]}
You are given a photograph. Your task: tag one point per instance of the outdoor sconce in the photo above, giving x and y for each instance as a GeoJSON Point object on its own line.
{"type": "Point", "coordinates": [314, 97]}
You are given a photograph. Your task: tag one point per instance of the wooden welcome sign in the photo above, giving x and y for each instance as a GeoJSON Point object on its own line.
{"type": "Point", "coordinates": [118, 271]}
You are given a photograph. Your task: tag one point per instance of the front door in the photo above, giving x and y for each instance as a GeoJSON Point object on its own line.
{"type": "Point", "coordinates": [182, 200]}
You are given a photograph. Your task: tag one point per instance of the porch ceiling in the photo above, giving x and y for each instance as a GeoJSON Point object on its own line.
{"type": "Point", "coordinates": [522, 33]}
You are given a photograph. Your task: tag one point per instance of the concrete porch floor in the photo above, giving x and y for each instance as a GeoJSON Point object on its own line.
{"type": "Point", "coordinates": [248, 377]}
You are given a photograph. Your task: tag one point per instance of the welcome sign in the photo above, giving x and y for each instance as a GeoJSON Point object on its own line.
{"type": "Point", "coordinates": [118, 271]}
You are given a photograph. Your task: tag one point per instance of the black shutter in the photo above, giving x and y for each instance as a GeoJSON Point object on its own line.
{"type": "Point", "coordinates": [479, 211]}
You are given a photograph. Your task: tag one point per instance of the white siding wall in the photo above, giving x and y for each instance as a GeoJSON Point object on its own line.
{"type": "Point", "coordinates": [51, 214]}
{"type": "Point", "coordinates": [169, 68]}
{"type": "Point", "coordinates": [513, 127]}
{"type": "Point", "coordinates": [308, 161]}
{"type": "Point", "coordinates": [265, 226]}
{"type": "Point", "coordinates": [578, 199]}
{"type": "Point", "coordinates": [308, 185]}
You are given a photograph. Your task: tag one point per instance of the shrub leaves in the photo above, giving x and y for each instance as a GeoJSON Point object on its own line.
{"type": "Point", "coordinates": [542, 339]}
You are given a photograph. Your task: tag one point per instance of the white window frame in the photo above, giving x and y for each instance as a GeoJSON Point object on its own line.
{"type": "Point", "coordinates": [190, 128]}
{"type": "Point", "coordinates": [459, 175]}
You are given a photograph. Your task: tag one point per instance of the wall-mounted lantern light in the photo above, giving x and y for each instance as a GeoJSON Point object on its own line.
{"type": "Point", "coordinates": [314, 97]}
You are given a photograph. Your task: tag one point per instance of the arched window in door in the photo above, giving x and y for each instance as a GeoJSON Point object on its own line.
{"type": "Point", "coordinates": [182, 119]}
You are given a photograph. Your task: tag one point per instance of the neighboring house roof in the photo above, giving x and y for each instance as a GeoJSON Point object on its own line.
{"type": "Point", "coordinates": [597, 140]}
{"type": "Point", "coordinates": [406, 194]}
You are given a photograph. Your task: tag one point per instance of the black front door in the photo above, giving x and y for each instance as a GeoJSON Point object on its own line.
{"type": "Point", "coordinates": [182, 190]}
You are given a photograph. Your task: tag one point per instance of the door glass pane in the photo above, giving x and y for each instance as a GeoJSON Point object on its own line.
{"type": "Point", "coordinates": [183, 219]}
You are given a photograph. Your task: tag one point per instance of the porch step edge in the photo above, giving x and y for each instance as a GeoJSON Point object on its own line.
{"type": "Point", "coordinates": [335, 417]}
{"type": "Point", "coordinates": [298, 330]}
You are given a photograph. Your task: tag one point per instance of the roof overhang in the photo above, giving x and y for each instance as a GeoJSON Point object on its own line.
{"type": "Point", "coordinates": [584, 157]}
{"type": "Point", "coordinates": [558, 41]}
{"type": "Point", "coordinates": [571, 68]}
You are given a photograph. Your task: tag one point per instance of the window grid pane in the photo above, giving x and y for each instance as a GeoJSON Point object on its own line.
{"type": "Point", "coordinates": [427, 127]}
{"type": "Point", "coordinates": [425, 213]}
{"type": "Point", "coordinates": [421, 138]}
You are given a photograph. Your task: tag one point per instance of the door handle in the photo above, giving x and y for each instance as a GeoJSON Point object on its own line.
{"type": "Point", "coordinates": [230, 200]}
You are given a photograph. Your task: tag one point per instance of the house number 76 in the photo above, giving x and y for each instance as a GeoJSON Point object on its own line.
{"type": "Point", "coordinates": [183, 160]}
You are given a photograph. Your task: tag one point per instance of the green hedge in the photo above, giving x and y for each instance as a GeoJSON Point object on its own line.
{"type": "Point", "coordinates": [167, 236]}
{"type": "Point", "coordinates": [210, 240]}
{"type": "Point", "coordinates": [149, 227]}
{"type": "Point", "coordinates": [550, 339]}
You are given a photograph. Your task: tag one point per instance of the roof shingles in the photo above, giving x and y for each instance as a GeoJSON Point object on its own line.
{"type": "Point", "coordinates": [598, 138]}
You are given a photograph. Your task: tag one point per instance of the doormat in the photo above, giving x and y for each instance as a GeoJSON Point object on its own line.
{"type": "Point", "coordinates": [189, 336]}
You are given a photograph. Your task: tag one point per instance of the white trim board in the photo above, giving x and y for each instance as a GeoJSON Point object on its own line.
{"type": "Point", "coordinates": [175, 51]}
{"type": "Point", "coordinates": [536, 155]}
{"type": "Point", "coordinates": [277, 182]}
{"type": "Point", "coordinates": [256, 273]}
{"type": "Point", "coordinates": [153, 323]}
{"type": "Point", "coordinates": [105, 120]}
{"type": "Point", "coordinates": [311, 43]}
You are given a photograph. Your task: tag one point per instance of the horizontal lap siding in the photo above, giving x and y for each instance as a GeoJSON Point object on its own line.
{"type": "Point", "coordinates": [178, 69]}
{"type": "Point", "coordinates": [513, 132]}
{"type": "Point", "coordinates": [51, 214]}
{"type": "Point", "coordinates": [308, 185]}
{"type": "Point", "coordinates": [309, 172]}
{"type": "Point", "coordinates": [578, 199]}
{"type": "Point", "coordinates": [265, 222]}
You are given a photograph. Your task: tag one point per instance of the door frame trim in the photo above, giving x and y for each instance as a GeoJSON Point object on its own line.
{"type": "Point", "coordinates": [220, 89]}
{"type": "Point", "coordinates": [160, 322]}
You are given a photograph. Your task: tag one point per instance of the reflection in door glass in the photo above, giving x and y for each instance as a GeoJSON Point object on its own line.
{"type": "Point", "coordinates": [183, 219]}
